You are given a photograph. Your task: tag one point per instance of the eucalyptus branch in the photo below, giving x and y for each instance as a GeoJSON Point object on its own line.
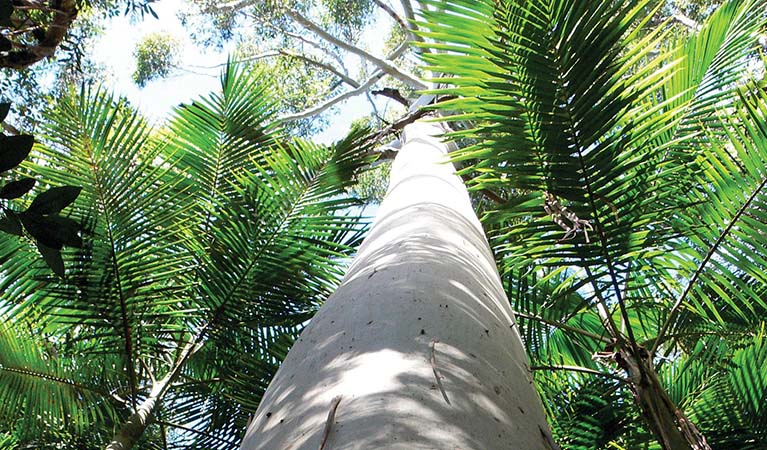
{"type": "Point", "coordinates": [321, 48]}
{"type": "Point", "coordinates": [322, 107]}
{"type": "Point", "coordinates": [361, 89]}
{"type": "Point", "coordinates": [393, 14]}
{"type": "Point", "coordinates": [256, 57]}
{"type": "Point", "coordinates": [411, 27]}
{"type": "Point", "coordinates": [382, 65]}
{"type": "Point", "coordinates": [582, 370]}
{"type": "Point", "coordinates": [408, 8]}
{"type": "Point", "coordinates": [318, 46]}
{"type": "Point", "coordinates": [686, 21]}
{"type": "Point", "coordinates": [323, 65]}
{"type": "Point", "coordinates": [291, 54]}
{"type": "Point", "coordinates": [408, 29]}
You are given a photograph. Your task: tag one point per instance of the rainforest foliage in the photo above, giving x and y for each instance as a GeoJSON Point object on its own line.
{"type": "Point", "coordinates": [616, 152]}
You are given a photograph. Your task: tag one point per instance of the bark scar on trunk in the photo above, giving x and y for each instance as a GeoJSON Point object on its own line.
{"type": "Point", "coordinates": [329, 422]}
{"type": "Point", "coordinates": [437, 376]}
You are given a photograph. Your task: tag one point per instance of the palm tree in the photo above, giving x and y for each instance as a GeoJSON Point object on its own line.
{"type": "Point", "coordinates": [207, 245]}
{"type": "Point", "coordinates": [628, 168]}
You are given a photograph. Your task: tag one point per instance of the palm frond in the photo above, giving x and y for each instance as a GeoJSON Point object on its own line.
{"type": "Point", "coordinates": [630, 160]}
{"type": "Point", "coordinates": [47, 392]}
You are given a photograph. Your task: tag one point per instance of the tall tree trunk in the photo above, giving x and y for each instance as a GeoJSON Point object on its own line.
{"type": "Point", "coordinates": [667, 422]}
{"type": "Point", "coordinates": [418, 347]}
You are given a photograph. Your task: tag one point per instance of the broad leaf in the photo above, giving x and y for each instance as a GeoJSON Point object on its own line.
{"type": "Point", "coordinates": [16, 189]}
{"type": "Point", "coordinates": [54, 200]}
{"type": "Point", "coordinates": [14, 150]}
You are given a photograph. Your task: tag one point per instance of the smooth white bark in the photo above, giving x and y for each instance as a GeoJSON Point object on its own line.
{"type": "Point", "coordinates": [419, 340]}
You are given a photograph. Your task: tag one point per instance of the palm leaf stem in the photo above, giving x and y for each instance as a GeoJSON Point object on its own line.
{"type": "Point", "coordinates": [667, 337]}
{"type": "Point", "coordinates": [706, 259]}
{"type": "Point", "coordinates": [583, 370]}
{"type": "Point", "coordinates": [49, 377]}
{"type": "Point", "coordinates": [126, 330]}
{"type": "Point", "coordinates": [604, 310]}
{"type": "Point", "coordinates": [563, 326]}
{"type": "Point", "coordinates": [192, 430]}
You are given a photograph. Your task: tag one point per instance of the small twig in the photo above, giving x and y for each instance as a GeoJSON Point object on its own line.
{"type": "Point", "coordinates": [329, 423]}
{"type": "Point", "coordinates": [406, 120]}
{"type": "Point", "coordinates": [582, 370]}
{"type": "Point", "coordinates": [393, 94]}
{"type": "Point", "coordinates": [437, 376]}
{"type": "Point", "coordinates": [375, 109]}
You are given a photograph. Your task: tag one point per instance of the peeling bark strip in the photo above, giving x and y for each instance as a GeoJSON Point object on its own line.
{"type": "Point", "coordinates": [436, 373]}
{"type": "Point", "coordinates": [23, 56]}
{"type": "Point", "coordinates": [329, 422]}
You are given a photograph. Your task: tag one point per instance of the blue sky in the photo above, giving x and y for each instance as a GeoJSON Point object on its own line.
{"type": "Point", "coordinates": [115, 51]}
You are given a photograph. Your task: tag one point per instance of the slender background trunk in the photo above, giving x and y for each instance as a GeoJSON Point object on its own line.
{"type": "Point", "coordinates": [667, 422]}
{"type": "Point", "coordinates": [132, 430]}
{"type": "Point", "coordinates": [418, 347]}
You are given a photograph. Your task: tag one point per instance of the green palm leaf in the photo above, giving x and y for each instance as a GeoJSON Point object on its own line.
{"type": "Point", "coordinates": [208, 245]}
{"type": "Point", "coordinates": [578, 114]}
{"type": "Point", "coordinates": [47, 392]}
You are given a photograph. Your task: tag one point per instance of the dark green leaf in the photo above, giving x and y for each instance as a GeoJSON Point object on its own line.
{"type": "Point", "coordinates": [6, 9]}
{"type": "Point", "coordinates": [66, 230]}
{"type": "Point", "coordinates": [52, 231]}
{"type": "Point", "coordinates": [16, 189]}
{"type": "Point", "coordinates": [54, 200]}
{"type": "Point", "coordinates": [52, 257]}
{"type": "Point", "coordinates": [10, 223]}
{"type": "Point", "coordinates": [4, 108]}
{"type": "Point", "coordinates": [5, 44]}
{"type": "Point", "coordinates": [13, 150]}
